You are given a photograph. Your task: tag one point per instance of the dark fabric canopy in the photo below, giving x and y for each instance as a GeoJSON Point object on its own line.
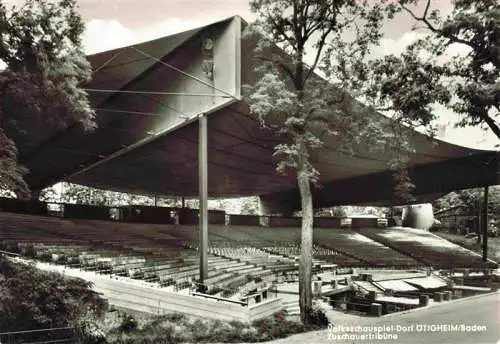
{"type": "Point", "coordinates": [131, 151]}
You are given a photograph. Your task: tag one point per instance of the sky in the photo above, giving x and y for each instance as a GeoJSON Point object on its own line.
{"type": "Point", "coordinates": [115, 23]}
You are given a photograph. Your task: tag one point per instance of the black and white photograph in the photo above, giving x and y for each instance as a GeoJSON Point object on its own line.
{"type": "Point", "coordinates": [249, 171]}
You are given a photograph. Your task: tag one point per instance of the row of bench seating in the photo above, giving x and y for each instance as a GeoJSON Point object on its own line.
{"type": "Point", "coordinates": [427, 247]}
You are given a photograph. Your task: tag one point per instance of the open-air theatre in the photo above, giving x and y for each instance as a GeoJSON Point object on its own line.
{"type": "Point", "coordinates": [171, 122]}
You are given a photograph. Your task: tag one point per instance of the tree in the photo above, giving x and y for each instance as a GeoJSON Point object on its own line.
{"type": "Point", "coordinates": [80, 194]}
{"type": "Point", "coordinates": [249, 206]}
{"type": "Point", "coordinates": [470, 199]}
{"type": "Point", "coordinates": [303, 108]}
{"type": "Point", "coordinates": [11, 174]}
{"type": "Point", "coordinates": [361, 210]}
{"type": "Point", "coordinates": [40, 43]}
{"type": "Point", "coordinates": [466, 83]}
{"type": "Point", "coordinates": [333, 211]}
{"type": "Point", "coordinates": [410, 88]}
{"type": "Point", "coordinates": [48, 194]}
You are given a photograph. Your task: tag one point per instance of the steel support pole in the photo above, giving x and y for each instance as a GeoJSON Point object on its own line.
{"type": "Point", "coordinates": [484, 223]}
{"type": "Point", "coordinates": [203, 196]}
{"type": "Point", "coordinates": [479, 229]}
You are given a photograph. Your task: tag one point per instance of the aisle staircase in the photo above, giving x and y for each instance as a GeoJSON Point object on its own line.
{"type": "Point", "coordinates": [292, 307]}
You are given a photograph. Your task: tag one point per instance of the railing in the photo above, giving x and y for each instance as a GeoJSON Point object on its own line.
{"type": "Point", "coordinates": [208, 296]}
{"type": "Point", "coordinates": [50, 335]}
{"type": "Point", "coordinates": [360, 288]}
{"type": "Point", "coordinates": [260, 295]}
{"type": "Point", "coordinates": [7, 253]}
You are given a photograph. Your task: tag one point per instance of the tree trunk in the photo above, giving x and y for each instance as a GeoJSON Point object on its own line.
{"type": "Point", "coordinates": [305, 266]}
{"type": "Point", "coordinates": [492, 124]}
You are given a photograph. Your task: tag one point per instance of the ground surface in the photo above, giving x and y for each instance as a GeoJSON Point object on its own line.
{"type": "Point", "coordinates": [482, 311]}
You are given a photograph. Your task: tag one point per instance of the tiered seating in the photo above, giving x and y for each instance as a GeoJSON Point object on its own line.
{"type": "Point", "coordinates": [167, 254]}
{"type": "Point", "coordinates": [284, 241]}
{"type": "Point", "coordinates": [270, 263]}
{"type": "Point", "coordinates": [362, 248]}
{"type": "Point", "coordinates": [100, 246]}
{"type": "Point", "coordinates": [343, 247]}
{"type": "Point", "coordinates": [249, 254]}
{"type": "Point", "coordinates": [269, 235]}
{"type": "Point", "coordinates": [292, 250]}
{"type": "Point", "coordinates": [235, 244]}
{"type": "Point", "coordinates": [426, 247]}
{"type": "Point", "coordinates": [136, 251]}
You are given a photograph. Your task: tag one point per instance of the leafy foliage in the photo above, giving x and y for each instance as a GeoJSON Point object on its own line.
{"type": "Point", "coordinates": [333, 211]}
{"type": "Point", "coordinates": [470, 200]}
{"type": "Point", "coordinates": [317, 316]}
{"type": "Point", "coordinates": [179, 328]}
{"type": "Point", "coordinates": [11, 173]}
{"type": "Point", "coordinates": [48, 194]}
{"type": "Point", "coordinates": [428, 72]}
{"type": "Point", "coordinates": [128, 324]}
{"type": "Point", "coordinates": [90, 333]}
{"type": "Point", "coordinates": [41, 47]}
{"type": "Point", "coordinates": [33, 299]}
{"type": "Point", "coordinates": [80, 194]}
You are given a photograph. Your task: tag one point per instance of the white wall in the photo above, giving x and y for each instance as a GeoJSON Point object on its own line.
{"type": "Point", "coordinates": [189, 59]}
{"type": "Point", "coordinates": [419, 216]}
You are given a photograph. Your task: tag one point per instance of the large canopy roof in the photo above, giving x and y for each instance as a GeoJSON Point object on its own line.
{"type": "Point", "coordinates": [147, 99]}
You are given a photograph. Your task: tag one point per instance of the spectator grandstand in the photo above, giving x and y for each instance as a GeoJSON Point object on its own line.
{"type": "Point", "coordinates": [426, 247]}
